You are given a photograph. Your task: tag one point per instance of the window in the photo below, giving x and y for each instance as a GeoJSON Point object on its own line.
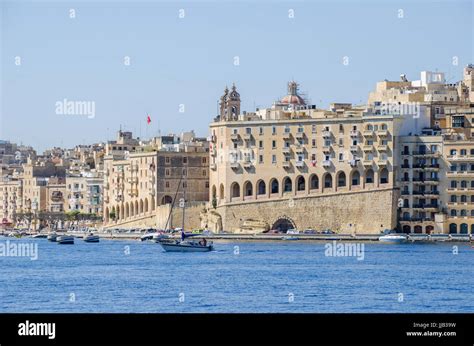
{"type": "Point", "coordinates": [274, 145]}
{"type": "Point", "coordinates": [204, 160]}
{"type": "Point", "coordinates": [463, 152]}
{"type": "Point", "coordinates": [185, 159]}
{"type": "Point", "coordinates": [313, 143]}
{"type": "Point", "coordinates": [274, 159]}
{"type": "Point", "coordinates": [248, 130]}
{"type": "Point", "coordinates": [341, 157]}
{"type": "Point", "coordinates": [260, 159]}
{"type": "Point", "coordinates": [261, 130]}
{"type": "Point", "coordinates": [458, 121]}
{"type": "Point", "coordinates": [273, 130]}
{"type": "Point", "coordinates": [313, 128]}
{"type": "Point", "coordinates": [167, 184]}
{"type": "Point", "coordinates": [204, 172]}
{"type": "Point", "coordinates": [167, 172]}
{"type": "Point", "coordinates": [287, 129]}
{"type": "Point", "coordinates": [260, 144]}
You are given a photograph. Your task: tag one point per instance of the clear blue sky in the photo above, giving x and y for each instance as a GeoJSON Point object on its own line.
{"type": "Point", "coordinates": [189, 61]}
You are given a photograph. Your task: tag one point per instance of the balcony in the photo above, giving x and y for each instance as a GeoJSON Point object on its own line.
{"type": "Point", "coordinates": [299, 135]}
{"type": "Point", "coordinates": [367, 162]}
{"type": "Point", "coordinates": [382, 133]}
{"type": "Point", "coordinates": [427, 153]}
{"type": "Point", "coordinates": [300, 164]}
{"type": "Point", "coordinates": [326, 163]}
{"type": "Point", "coordinates": [213, 166]}
{"type": "Point", "coordinates": [327, 134]}
{"type": "Point", "coordinates": [405, 153]}
{"type": "Point", "coordinates": [286, 150]}
{"type": "Point", "coordinates": [213, 151]}
{"type": "Point", "coordinates": [286, 135]}
{"type": "Point", "coordinates": [354, 133]}
{"type": "Point", "coordinates": [234, 165]}
{"type": "Point", "coordinates": [368, 133]}
{"type": "Point", "coordinates": [354, 148]}
{"type": "Point", "coordinates": [353, 163]}
{"type": "Point", "coordinates": [247, 136]}
{"type": "Point", "coordinates": [382, 162]}
{"type": "Point", "coordinates": [248, 164]}
{"type": "Point", "coordinates": [368, 148]}
{"type": "Point", "coordinates": [133, 180]}
{"type": "Point", "coordinates": [234, 136]}
{"type": "Point", "coordinates": [382, 148]}
{"type": "Point", "coordinates": [299, 148]}
{"type": "Point", "coordinates": [286, 164]}
{"type": "Point", "coordinates": [326, 149]}
{"type": "Point", "coordinates": [405, 166]}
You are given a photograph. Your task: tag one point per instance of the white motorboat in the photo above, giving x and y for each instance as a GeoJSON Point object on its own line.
{"type": "Point", "coordinates": [393, 238]}
{"type": "Point", "coordinates": [52, 237]}
{"type": "Point", "coordinates": [65, 239]}
{"type": "Point", "coordinates": [290, 238]}
{"type": "Point", "coordinates": [39, 235]}
{"type": "Point", "coordinates": [91, 238]}
{"type": "Point", "coordinates": [186, 246]}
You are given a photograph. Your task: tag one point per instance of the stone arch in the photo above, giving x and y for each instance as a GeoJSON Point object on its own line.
{"type": "Point", "coordinates": [136, 208]}
{"type": "Point", "coordinates": [313, 182]}
{"type": "Point", "coordinates": [464, 229]}
{"type": "Point", "coordinates": [429, 229]}
{"type": "Point", "coordinates": [214, 192]}
{"type": "Point", "coordinates": [127, 210]}
{"type": "Point", "coordinates": [369, 176]}
{"type": "Point", "coordinates": [146, 205]}
{"type": "Point", "coordinates": [122, 211]}
{"type": "Point", "coordinates": [235, 190]}
{"type": "Point", "coordinates": [141, 206]}
{"type": "Point", "coordinates": [287, 184]}
{"type": "Point", "coordinates": [274, 186]}
{"type": "Point", "coordinates": [283, 224]}
{"type": "Point", "coordinates": [261, 188]}
{"type": "Point", "coordinates": [418, 229]}
{"type": "Point", "coordinates": [300, 183]}
{"type": "Point", "coordinates": [132, 209]}
{"type": "Point", "coordinates": [327, 180]}
{"type": "Point", "coordinates": [221, 191]}
{"type": "Point", "coordinates": [355, 178]}
{"type": "Point", "coordinates": [341, 179]}
{"type": "Point", "coordinates": [383, 176]}
{"type": "Point", "coordinates": [248, 189]}
{"type": "Point", "coordinates": [152, 199]}
{"type": "Point", "coordinates": [453, 228]}
{"type": "Point", "coordinates": [406, 229]}
{"type": "Point", "coordinates": [166, 199]}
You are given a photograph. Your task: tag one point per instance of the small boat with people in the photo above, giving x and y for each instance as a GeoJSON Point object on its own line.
{"type": "Point", "coordinates": [65, 239]}
{"type": "Point", "coordinates": [91, 238]}
{"type": "Point", "coordinates": [184, 245]}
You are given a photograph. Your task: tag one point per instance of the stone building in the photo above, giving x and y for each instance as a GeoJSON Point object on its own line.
{"type": "Point", "coordinates": [140, 177]}
{"type": "Point", "coordinates": [295, 166]}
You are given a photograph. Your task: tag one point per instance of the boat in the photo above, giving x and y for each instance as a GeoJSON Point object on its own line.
{"type": "Point", "coordinates": [39, 235]}
{"type": "Point", "coordinates": [91, 238]}
{"type": "Point", "coordinates": [183, 245]}
{"type": "Point", "coordinates": [393, 238]}
{"type": "Point", "coordinates": [290, 238]}
{"type": "Point", "coordinates": [65, 239]}
{"type": "Point", "coordinates": [186, 246]}
{"type": "Point", "coordinates": [52, 236]}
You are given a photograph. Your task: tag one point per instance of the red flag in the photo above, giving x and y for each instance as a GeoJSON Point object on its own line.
{"type": "Point", "coordinates": [148, 119]}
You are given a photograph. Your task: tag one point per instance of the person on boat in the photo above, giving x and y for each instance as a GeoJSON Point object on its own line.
{"type": "Point", "coordinates": [203, 242]}
{"type": "Point", "coordinates": [182, 235]}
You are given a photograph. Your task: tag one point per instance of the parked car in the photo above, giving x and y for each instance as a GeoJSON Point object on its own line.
{"type": "Point", "coordinates": [309, 231]}
{"type": "Point", "coordinates": [292, 231]}
{"type": "Point", "coordinates": [328, 231]}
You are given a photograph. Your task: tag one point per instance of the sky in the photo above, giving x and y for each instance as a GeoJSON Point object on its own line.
{"type": "Point", "coordinates": [172, 60]}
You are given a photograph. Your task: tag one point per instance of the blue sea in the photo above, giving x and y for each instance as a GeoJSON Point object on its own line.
{"type": "Point", "coordinates": [285, 276]}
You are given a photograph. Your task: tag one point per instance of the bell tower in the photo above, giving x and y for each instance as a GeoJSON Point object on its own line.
{"type": "Point", "coordinates": [230, 104]}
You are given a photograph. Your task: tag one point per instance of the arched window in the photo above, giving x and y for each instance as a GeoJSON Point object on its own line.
{"type": "Point", "coordinates": [261, 188]}
{"type": "Point", "coordinates": [235, 190]}
{"type": "Point", "coordinates": [463, 199]}
{"type": "Point", "coordinates": [127, 210]}
{"type": "Point", "coordinates": [384, 176]}
{"type": "Point", "coordinates": [141, 206]}
{"type": "Point", "coordinates": [274, 186]}
{"type": "Point", "coordinates": [453, 228]}
{"type": "Point", "coordinates": [418, 229]}
{"type": "Point", "coordinates": [464, 228]}
{"type": "Point", "coordinates": [214, 192]}
{"type": "Point", "coordinates": [146, 205]}
{"type": "Point", "coordinates": [328, 180]}
{"type": "Point", "coordinates": [248, 188]}
{"type": "Point", "coordinates": [369, 176]}
{"type": "Point", "coordinates": [287, 184]}
{"type": "Point", "coordinates": [355, 178]}
{"type": "Point", "coordinates": [221, 191]}
{"type": "Point", "coordinates": [313, 182]}
{"type": "Point", "coordinates": [300, 183]}
{"type": "Point", "coordinates": [453, 212]}
{"type": "Point", "coordinates": [464, 184]}
{"type": "Point", "coordinates": [341, 179]}
{"type": "Point", "coordinates": [472, 228]}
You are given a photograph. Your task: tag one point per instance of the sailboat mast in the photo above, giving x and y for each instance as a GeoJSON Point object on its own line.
{"type": "Point", "coordinates": [184, 196]}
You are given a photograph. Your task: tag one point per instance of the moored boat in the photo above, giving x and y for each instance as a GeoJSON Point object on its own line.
{"type": "Point", "coordinates": [91, 238]}
{"type": "Point", "coordinates": [52, 237]}
{"type": "Point", "coordinates": [393, 238]}
{"type": "Point", "coordinates": [65, 239]}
